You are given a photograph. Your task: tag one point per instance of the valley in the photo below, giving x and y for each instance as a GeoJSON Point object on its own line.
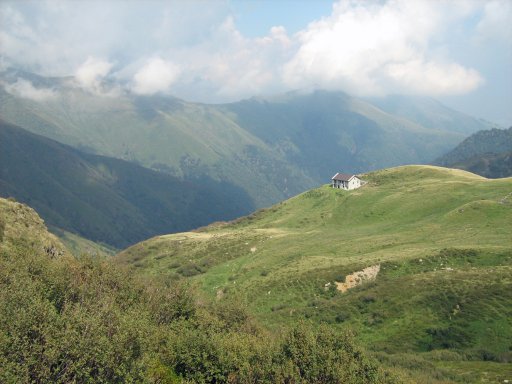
{"type": "Point", "coordinates": [272, 148]}
{"type": "Point", "coordinates": [416, 263]}
{"type": "Point", "coordinates": [256, 192]}
{"type": "Point", "coordinates": [107, 200]}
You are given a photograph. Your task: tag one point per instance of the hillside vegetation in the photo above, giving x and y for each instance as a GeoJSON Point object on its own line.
{"type": "Point", "coordinates": [104, 199]}
{"type": "Point", "coordinates": [67, 320]}
{"type": "Point", "coordinates": [487, 153]}
{"type": "Point", "coordinates": [272, 148]}
{"type": "Point", "coordinates": [441, 238]}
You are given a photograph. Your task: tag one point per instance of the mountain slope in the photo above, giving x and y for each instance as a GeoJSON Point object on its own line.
{"type": "Point", "coordinates": [186, 140]}
{"type": "Point", "coordinates": [322, 131]}
{"type": "Point", "coordinates": [21, 226]}
{"type": "Point", "coordinates": [104, 199]}
{"type": "Point", "coordinates": [441, 235]}
{"type": "Point", "coordinates": [272, 148]}
{"type": "Point", "coordinates": [83, 320]}
{"type": "Point", "coordinates": [430, 113]}
{"type": "Point", "coordinates": [487, 153]}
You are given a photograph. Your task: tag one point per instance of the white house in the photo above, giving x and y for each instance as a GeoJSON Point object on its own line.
{"type": "Point", "coordinates": [346, 181]}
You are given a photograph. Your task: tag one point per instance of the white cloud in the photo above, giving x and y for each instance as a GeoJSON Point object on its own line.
{"type": "Point", "coordinates": [157, 75]}
{"type": "Point", "coordinates": [370, 48]}
{"type": "Point", "coordinates": [235, 66]}
{"type": "Point", "coordinates": [90, 74]}
{"type": "Point", "coordinates": [496, 22]}
{"type": "Point", "coordinates": [428, 77]}
{"type": "Point", "coordinates": [196, 51]}
{"type": "Point", "coordinates": [25, 89]}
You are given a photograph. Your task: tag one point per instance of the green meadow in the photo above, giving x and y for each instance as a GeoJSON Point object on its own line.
{"type": "Point", "coordinates": [442, 300]}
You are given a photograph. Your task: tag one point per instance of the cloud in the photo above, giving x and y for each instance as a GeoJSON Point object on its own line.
{"type": "Point", "coordinates": [428, 77]}
{"type": "Point", "coordinates": [370, 48]}
{"type": "Point", "coordinates": [89, 75]}
{"type": "Point", "coordinates": [195, 50]}
{"type": "Point", "coordinates": [25, 89]}
{"type": "Point", "coordinates": [234, 66]}
{"type": "Point", "coordinates": [157, 75]}
{"type": "Point", "coordinates": [496, 21]}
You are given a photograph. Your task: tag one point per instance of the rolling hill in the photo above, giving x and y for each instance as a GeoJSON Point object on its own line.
{"type": "Point", "coordinates": [104, 199]}
{"type": "Point", "coordinates": [487, 153]}
{"type": "Point", "coordinates": [431, 246]}
{"type": "Point", "coordinates": [66, 319]}
{"type": "Point", "coordinates": [272, 148]}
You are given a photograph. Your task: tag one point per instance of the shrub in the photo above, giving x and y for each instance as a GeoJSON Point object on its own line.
{"type": "Point", "coordinates": [88, 320]}
{"type": "Point", "coordinates": [449, 337]}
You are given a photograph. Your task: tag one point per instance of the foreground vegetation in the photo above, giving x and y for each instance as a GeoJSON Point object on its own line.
{"type": "Point", "coordinates": [441, 303]}
{"type": "Point", "coordinates": [82, 320]}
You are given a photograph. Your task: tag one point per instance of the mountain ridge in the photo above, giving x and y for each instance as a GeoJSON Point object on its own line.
{"type": "Point", "coordinates": [487, 152]}
{"type": "Point", "coordinates": [272, 147]}
{"type": "Point", "coordinates": [104, 199]}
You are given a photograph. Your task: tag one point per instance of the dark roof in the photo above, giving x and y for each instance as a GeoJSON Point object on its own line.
{"type": "Point", "coordinates": [342, 176]}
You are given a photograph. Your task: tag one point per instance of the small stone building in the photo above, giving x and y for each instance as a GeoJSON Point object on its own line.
{"type": "Point", "coordinates": [346, 181]}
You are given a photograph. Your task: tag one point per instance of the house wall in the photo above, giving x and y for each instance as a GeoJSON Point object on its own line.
{"type": "Point", "coordinates": [352, 184]}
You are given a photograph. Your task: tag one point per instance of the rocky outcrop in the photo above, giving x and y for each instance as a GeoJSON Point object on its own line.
{"type": "Point", "coordinates": [358, 278]}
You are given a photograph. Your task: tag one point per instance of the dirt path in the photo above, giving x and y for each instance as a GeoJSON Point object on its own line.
{"type": "Point", "coordinates": [358, 278]}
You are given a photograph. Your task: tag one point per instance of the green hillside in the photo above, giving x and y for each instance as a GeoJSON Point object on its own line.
{"type": "Point", "coordinates": [441, 238]}
{"type": "Point", "coordinates": [273, 148]}
{"type": "Point", "coordinates": [86, 320]}
{"type": "Point", "coordinates": [19, 223]}
{"type": "Point", "coordinates": [322, 131]}
{"type": "Point", "coordinates": [183, 139]}
{"type": "Point", "coordinates": [104, 199]}
{"type": "Point", "coordinates": [487, 153]}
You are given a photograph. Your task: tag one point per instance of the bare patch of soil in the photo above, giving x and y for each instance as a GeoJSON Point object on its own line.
{"type": "Point", "coordinates": [359, 277]}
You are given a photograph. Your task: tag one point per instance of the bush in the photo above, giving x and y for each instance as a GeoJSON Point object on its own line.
{"type": "Point", "coordinates": [87, 320]}
{"type": "Point", "coordinates": [449, 337]}
{"type": "Point", "coordinates": [324, 355]}
{"type": "Point", "coordinates": [190, 269]}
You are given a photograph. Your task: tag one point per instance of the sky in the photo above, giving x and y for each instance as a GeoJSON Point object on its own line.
{"type": "Point", "coordinates": [456, 51]}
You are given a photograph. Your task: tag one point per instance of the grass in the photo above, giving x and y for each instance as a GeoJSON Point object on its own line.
{"type": "Point", "coordinates": [478, 371]}
{"type": "Point", "coordinates": [441, 236]}
{"type": "Point", "coordinates": [78, 245]}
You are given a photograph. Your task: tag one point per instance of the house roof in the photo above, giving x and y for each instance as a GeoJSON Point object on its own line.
{"type": "Point", "coordinates": [343, 177]}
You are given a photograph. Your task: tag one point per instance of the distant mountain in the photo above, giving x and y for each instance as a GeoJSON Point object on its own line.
{"type": "Point", "coordinates": [487, 153]}
{"type": "Point", "coordinates": [107, 200]}
{"type": "Point", "coordinates": [430, 113]}
{"type": "Point", "coordinates": [272, 148]}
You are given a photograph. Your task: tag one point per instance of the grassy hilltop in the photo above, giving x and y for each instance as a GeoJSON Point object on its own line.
{"type": "Point", "coordinates": [442, 240]}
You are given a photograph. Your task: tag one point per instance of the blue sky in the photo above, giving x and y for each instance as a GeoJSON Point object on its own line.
{"type": "Point", "coordinates": [456, 51]}
{"type": "Point", "coordinates": [255, 18]}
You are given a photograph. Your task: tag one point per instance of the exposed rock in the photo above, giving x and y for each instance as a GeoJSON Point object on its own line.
{"type": "Point", "coordinates": [359, 277]}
